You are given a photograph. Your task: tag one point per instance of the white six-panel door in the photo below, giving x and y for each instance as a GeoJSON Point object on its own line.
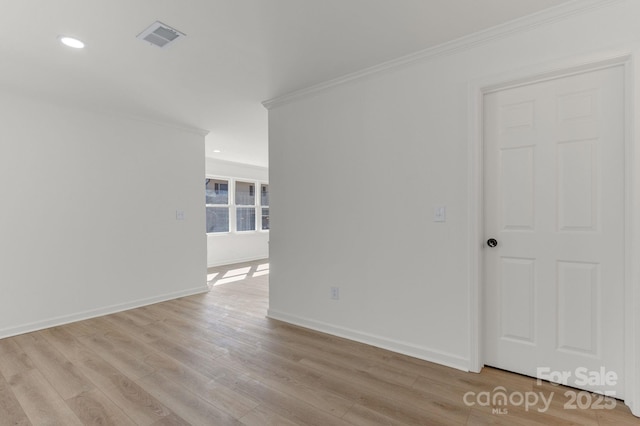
{"type": "Point", "coordinates": [554, 201]}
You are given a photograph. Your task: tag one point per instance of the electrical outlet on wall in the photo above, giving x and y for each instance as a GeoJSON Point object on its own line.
{"type": "Point", "coordinates": [335, 293]}
{"type": "Point", "coordinates": [440, 214]}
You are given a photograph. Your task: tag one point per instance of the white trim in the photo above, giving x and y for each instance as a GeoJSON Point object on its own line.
{"type": "Point", "coordinates": [234, 261]}
{"type": "Point", "coordinates": [524, 23]}
{"type": "Point", "coordinates": [421, 352]}
{"type": "Point", "coordinates": [93, 313]}
{"type": "Point", "coordinates": [632, 242]}
{"type": "Point", "coordinates": [477, 90]}
{"type": "Point", "coordinates": [475, 223]}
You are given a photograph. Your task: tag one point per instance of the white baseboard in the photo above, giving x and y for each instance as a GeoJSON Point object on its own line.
{"type": "Point", "coordinates": [421, 352]}
{"type": "Point", "coordinates": [234, 261]}
{"type": "Point", "coordinates": [66, 319]}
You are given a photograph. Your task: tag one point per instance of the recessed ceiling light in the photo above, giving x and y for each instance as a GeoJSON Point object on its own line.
{"type": "Point", "coordinates": [71, 42]}
{"type": "Point", "coordinates": [216, 151]}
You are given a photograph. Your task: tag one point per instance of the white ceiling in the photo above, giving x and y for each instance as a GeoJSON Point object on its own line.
{"type": "Point", "coordinates": [237, 53]}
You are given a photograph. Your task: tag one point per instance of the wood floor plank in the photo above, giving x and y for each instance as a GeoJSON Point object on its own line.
{"type": "Point", "coordinates": [149, 313]}
{"type": "Point", "coordinates": [65, 377]}
{"type": "Point", "coordinates": [8, 345]}
{"type": "Point", "coordinates": [117, 355]}
{"type": "Point", "coordinates": [124, 342]}
{"type": "Point", "coordinates": [343, 354]}
{"type": "Point", "coordinates": [67, 344]}
{"type": "Point", "coordinates": [40, 401]}
{"type": "Point", "coordinates": [453, 386]}
{"type": "Point", "coordinates": [185, 403]}
{"type": "Point", "coordinates": [215, 359]}
{"type": "Point", "coordinates": [172, 420]}
{"type": "Point", "coordinates": [135, 329]}
{"type": "Point", "coordinates": [485, 418]}
{"type": "Point", "coordinates": [316, 397]}
{"type": "Point", "coordinates": [288, 406]}
{"type": "Point", "coordinates": [134, 316]}
{"type": "Point", "coordinates": [390, 399]}
{"type": "Point", "coordinates": [288, 378]}
{"type": "Point", "coordinates": [218, 394]}
{"type": "Point", "coordinates": [262, 416]}
{"type": "Point", "coordinates": [363, 416]}
{"type": "Point", "coordinates": [195, 360]}
{"type": "Point", "coordinates": [89, 327]}
{"type": "Point", "coordinates": [197, 337]}
{"type": "Point", "coordinates": [323, 353]}
{"type": "Point", "coordinates": [12, 363]}
{"type": "Point", "coordinates": [559, 399]}
{"type": "Point", "coordinates": [11, 412]}
{"type": "Point", "coordinates": [94, 408]}
{"type": "Point", "coordinates": [195, 331]}
{"type": "Point", "coordinates": [134, 401]}
{"type": "Point", "coordinates": [620, 415]}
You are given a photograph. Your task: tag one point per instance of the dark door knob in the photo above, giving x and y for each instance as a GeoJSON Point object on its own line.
{"type": "Point", "coordinates": [492, 242]}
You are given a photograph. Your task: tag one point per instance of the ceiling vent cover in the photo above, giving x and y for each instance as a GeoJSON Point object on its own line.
{"type": "Point", "coordinates": [161, 35]}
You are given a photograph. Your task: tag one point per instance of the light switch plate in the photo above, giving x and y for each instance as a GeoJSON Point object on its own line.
{"type": "Point", "coordinates": [179, 214]}
{"type": "Point", "coordinates": [440, 214]}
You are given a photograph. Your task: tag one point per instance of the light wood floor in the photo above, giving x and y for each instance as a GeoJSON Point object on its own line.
{"type": "Point", "coordinates": [214, 359]}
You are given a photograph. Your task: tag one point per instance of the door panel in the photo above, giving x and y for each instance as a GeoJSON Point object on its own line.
{"type": "Point", "coordinates": [518, 301]}
{"type": "Point", "coordinates": [578, 302]}
{"type": "Point", "coordinates": [554, 200]}
{"type": "Point", "coordinates": [577, 176]}
{"type": "Point", "coordinates": [516, 165]}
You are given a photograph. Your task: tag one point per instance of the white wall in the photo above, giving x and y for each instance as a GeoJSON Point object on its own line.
{"type": "Point", "coordinates": [234, 247]}
{"type": "Point", "coordinates": [400, 137]}
{"type": "Point", "coordinates": [88, 218]}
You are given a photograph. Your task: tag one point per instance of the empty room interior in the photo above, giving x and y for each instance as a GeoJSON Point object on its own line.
{"type": "Point", "coordinates": [319, 212]}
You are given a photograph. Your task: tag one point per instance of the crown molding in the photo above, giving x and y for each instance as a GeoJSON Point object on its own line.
{"type": "Point", "coordinates": [467, 42]}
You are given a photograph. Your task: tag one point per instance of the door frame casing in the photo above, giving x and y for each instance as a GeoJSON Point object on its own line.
{"type": "Point", "coordinates": [476, 92]}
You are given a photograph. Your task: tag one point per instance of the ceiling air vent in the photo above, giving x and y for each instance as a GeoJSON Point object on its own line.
{"type": "Point", "coordinates": [161, 35]}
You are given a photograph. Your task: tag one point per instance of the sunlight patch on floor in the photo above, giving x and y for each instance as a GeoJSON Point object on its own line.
{"type": "Point", "coordinates": [230, 280]}
{"type": "Point", "coordinates": [237, 274]}
{"type": "Point", "coordinates": [239, 271]}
